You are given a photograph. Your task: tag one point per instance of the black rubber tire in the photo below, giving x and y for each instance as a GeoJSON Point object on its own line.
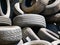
{"type": "Point", "coordinates": [38, 42]}
{"type": "Point", "coordinates": [10, 34]}
{"type": "Point", "coordinates": [36, 6]}
{"type": "Point", "coordinates": [4, 18]}
{"type": "Point", "coordinates": [52, 8]}
{"type": "Point", "coordinates": [5, 21]}
{"type": "Point", "coordinates": [53, 19]}
{"type": "Point", "coordinates": [20, 43]}
{"type": "Point", "coordinates": [8, 8]}
{"type": "Point", "coordinates": [48, 35]}
{"type": "Point", "coordinates": [0, 9]}
{"type": "Point", "coordinates": [56, 42]}
{"type": "Point", "coordinates": [28, 32]}
{"type": "Point", "coordinates": [17, 9]}
{"type": "Point", "coordinates": [27, 20]}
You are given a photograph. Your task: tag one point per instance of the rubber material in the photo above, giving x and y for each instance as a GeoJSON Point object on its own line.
{"type": "Point", "coordinates": [48, 35]}
{"type": "Point", "coordinates": [27, 20]}
{"type": "Point", "coordinates": [8, 9]}
{"type": "Point", "coordinates": [0, 9]}
{"type": "Point", "coordinates": [4, 18]}
{"type": "Point", "coordinates": [20, 43]}
{"type": "Point", "coordinates": [56, 42]}
{"type": "Point", "coordinates": [17, 9]}
{"type": "Point", "coordinates": [10, 34]}
{"type": "Point", "coordinates": [4, 21]}
{"type": "Point", "coordinates": [59, 34]}
{"type": "Point", "coordinates": [32, 6]}
{"type": "Point", "coordinates": [38, 42]}
{"type": "Point", "coordinates": [52, 8]}
{"type": "Point", "coordinates": [28, 32]}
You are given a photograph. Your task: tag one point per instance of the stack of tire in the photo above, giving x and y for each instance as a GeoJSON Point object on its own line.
{"type": "Point", "coordinates": [29, 21]}
{"type": "Point", "coordinates": [9, 34]}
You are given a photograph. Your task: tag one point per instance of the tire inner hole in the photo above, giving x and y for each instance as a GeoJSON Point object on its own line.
{"type": "Point", "coordinates": [59, 44]}
{"type": "Point", "coordinates": [2, 24]}
{"type": "Point", "coordinates": [4, 6]}
{"type": "Point", "coordinates": [29, 3]}
{"type": "Point", "coordinates": [51, 1]}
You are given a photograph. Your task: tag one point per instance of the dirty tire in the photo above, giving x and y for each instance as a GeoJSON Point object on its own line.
{"type": "Point", "coordinates": [48, 35]}
{"type": "Point", "coordinates": [39, 42]}
{"type": "Point", "coordinates": [10, 34]}
{"type": "Point", "coordinates": [27, 20]}
{"type": "Point", "coordinates": [20, 42]}
{"type": "Point", "coordinates": [56, 42]}
{"type": "Point", "coordinates": [52, 8]}
{"type": "Point", "coordinates": [28, 32]}
{"type": "Point", "coordinates": [17, 9]}
{"type": "Point", "coordinates": [7, 11]}
{"type": "Point", "coordinates": [5, 21]}
{"type": "Point", "coordinates": [33, 7]}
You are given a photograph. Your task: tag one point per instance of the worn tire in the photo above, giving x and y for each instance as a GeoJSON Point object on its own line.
{"type": "Point", "coordinates": [48, 35]}
{"type": "Point", "coordinates": [17, 9]}
{"type": "Point", "coordinates": [53, 19]}
{"type": "Point", "coordinates": [59, 34]}
{"type": "Point", "coordinates": [56, 42]}
{"type": "Point", "coordinates": [0, 9]}
{"type": "Point", "coordinates": [7, 8]}
{"type": "Point", "coordinates": [27, 20]}
{"type": "Point", "coordinates": [20, 43]}
{"type": "Point", "coordinates": [38, 42]}
{"type": "Point", "coordinates": [28, 32]}
{"type": "Point", "coordinates": [5, 21]}
{"type": "Point", "coordinates": [52, 8]}
{"type": "Point", "coordinates": [33, 7]}
{"type": "Point", "coordinates": [4, 18]}
{"type": "Point", "coordinates": [10, 34]}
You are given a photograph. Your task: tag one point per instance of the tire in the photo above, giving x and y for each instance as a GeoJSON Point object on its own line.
{"type": "Point", "coordinates": [53, 19]}
{"type": "Point", "coordinates": [4, 18]}
{"type": "Point", "coordinates": [20, 43]}
{"type": "Point", "coordinates": [48, 35]}
{"type": "Point", "coordinates": [17, 9]}
{"type": "Point", "coordinates": [38, 42]}
{"type": "Point", "coordinates": [0, 9]}
{"type": "Point", "coordinates": [52, 8]}
{"type": "Point", "coordinates": [56, 42]}
{"type": "Point", "coordinates": [28, 33]}
{"type": "Point", "coordinates": [34, 7]}
{"type": "Point", "coordinates": [10, 34]}
{"type": "Point", "coordinates": [4, 21]}
{"type": "Point", "coordinates": [28, 20]}
{"type": "Point", "coordinates": [8, 8]}
{"type": "Point", "coordinates": [59, 34]}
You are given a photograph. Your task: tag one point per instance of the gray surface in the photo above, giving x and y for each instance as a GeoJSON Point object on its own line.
{"type": "Point", "coordinates": [52, 8]}
{"type": "Point", "coordinates": [10, 34]}
{"type": "Point", "coordinates": [27, 20]}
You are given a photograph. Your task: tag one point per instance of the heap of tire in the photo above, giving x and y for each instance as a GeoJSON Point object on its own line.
{"type": "Point", "coordinates": [29, 22]}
